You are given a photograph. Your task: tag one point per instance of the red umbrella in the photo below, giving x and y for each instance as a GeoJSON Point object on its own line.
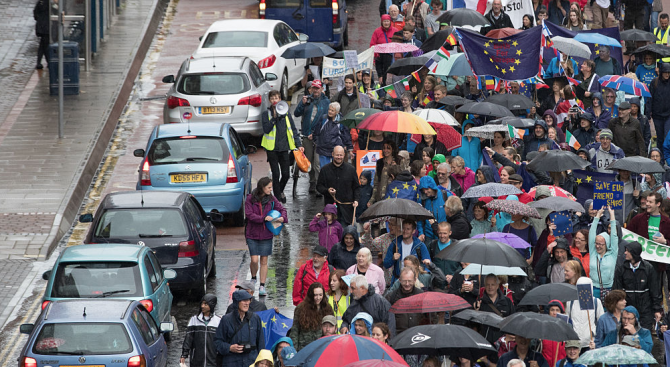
{"type": "Point", "coordinates": [503, 32]}
{"type": "Point", "coordinates": [447, 135]}
{"type": "Point", "coordinates": [555, 191]}
{"type": "Point", "coordinates": [376, 363]}
{"type": "Point", "coordinates": [429, 302]}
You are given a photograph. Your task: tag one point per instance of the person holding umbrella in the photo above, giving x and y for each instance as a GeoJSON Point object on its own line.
{"type": "Point", "coordinates": [404, 321]}
{"type": "Point", "coordinates": [589, 81]}
{"type": "Point", "coordinates": [404, 245]}
{"type": "Point", "coordinates": [495, 301]}
{"type": "Point", "coordinates": [465, 286]}
{"type": "Point", "coordinates": [383, 34]}
{"type": "Point", "coordinates": [523, 352]}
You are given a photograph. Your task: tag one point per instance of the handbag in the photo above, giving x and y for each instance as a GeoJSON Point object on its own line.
{"type": "Point", "coordinates": [301, 160]}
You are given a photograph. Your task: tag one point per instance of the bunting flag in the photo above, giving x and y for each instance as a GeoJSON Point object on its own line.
{"type": "Point", "coordinates": [390, 90]}
{"type": "Point", "coordinates": [431, 65]}
{"type": "Point", "coordinates": [515, 133]}
{"type": "Point", "coordinates": [416, 76]}
{"type": "Point", "coordinates": [509, 58]}
{"type": "Point", "coordinates": [275, 326]}
{"type": "Point", "coordinates": [546, 36]}
{"type": "Point", "coordinates": [427, 100]}
{"type": "Point", "coordinates": [572, 141]}
{"type": "Point", "coordinates": [405, 83]}
{"type": "Point", "coordinates": [443, 53]}
{"type": "Point", "coordinates": [573, 81]}
{"type": "Point", "coordinates": [451, 40]}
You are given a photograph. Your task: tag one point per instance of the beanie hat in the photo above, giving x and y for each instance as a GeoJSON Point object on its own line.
{"type": "Point", "coordinates": [555, 302]}
{"type": "Point", "coordinates": [635, 250]}
{"type": "Point", "coordinates": [211, 301]}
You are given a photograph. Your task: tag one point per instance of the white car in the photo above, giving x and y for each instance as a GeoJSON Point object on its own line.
{"type": "Point", "coordinates": [262, 40]}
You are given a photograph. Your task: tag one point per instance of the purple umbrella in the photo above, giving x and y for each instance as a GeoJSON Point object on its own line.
{"type": "Point", "coordinates": [508, 238]}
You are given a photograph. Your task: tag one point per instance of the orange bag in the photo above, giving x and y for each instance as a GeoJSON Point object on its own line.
{"type": "Point", "coordinates": [301, 160]}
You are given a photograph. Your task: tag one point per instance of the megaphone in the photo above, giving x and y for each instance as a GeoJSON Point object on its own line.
{"type": "Point", "coordinates": [281, 108]}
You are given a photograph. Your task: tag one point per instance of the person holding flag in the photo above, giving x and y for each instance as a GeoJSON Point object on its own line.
{"type": "Point", "coordinates": [584, 135]}
{"type": "Point", "coordinates": [584, 313]}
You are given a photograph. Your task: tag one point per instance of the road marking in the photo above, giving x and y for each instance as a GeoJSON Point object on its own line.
{"type": "Point", "coordinates": [14, 341]}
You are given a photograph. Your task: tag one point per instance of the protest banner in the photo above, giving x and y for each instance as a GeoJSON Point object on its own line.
{"type": "Point", "coordinates": [333, 68]}
{"type": "Point", "coordinates": [608, 194]}
{"type": "Point", "coordinates": [652, 251]}
{"type": "Point", "coordinates": [366, 160]}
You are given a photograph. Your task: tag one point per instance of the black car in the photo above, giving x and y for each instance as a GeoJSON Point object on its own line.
{"type": "Point", "coordinates": [172, 224]}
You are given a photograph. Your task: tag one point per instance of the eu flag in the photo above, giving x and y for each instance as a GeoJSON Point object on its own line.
{"type": "Point", "coordinates": [562, 221]}
{"type": "Point", "coordinates": [585, 293]}
{"type": "Point", "coordinates": [585, 181]}
{"type": "Point", "coordinates": [515, 57]}
{"type": "Point", "coordinates": [275, 326]}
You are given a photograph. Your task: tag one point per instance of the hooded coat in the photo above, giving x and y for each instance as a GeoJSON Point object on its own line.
{"type": "Point", "coordinates": [585, 136]}
{"type": "Point", "coordinates": [470, 150]}
{"type": "Point", "coordinates": [366, 318]}
{"type": "Point", "coordinates": [466, 179]}
{"type": "Point", "coordinates": [199, 346]}
{"type": "Point", "coordinates": [532, 143]}
{"type": "Point", "coordinates": [329, 133]}
{"type": "Point", "coordinates": [440, 158]}
{"type": "Point", "coordinates": [329, 234]}
{"type": "Point", "coordinates": [339, 257]}
{"type": "Point", "coordinates": [601, 159]}
{"type": "Point", "coordinates": [250, 331]}
{"type": "Point", "coordinates": [366, 192]}
{"type": "Point", "coordinates": [546, 263]}
{"type": "Point", "coordinates": [434, 204]}
{"type": "Point", "coordinates": [601, 121]}
{"type": "Point", "coordinates": [560, 135]}
{"type": "Point", "coordinates": [603, 265]}
{"type": "Point", "coordinates": [646, 342]}
{"type": "Point", "coordinates": [403, 187]}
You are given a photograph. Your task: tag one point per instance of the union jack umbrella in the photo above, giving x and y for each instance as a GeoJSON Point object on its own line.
{"type": "Point", "coordinates": [628, 85]}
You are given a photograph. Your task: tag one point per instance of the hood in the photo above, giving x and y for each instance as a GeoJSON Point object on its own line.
{"type": "Point", "coordinates": [330, 208]}
{"type": "Point", "coordinates": [352, 231]}
{"type": "Point", "coordinates": [264, 354]}
{"type": "Point", "coordinates": [633, 310]}
{"type": "Point", "coordinates": [585, 151]}
{"type": "Point", "coordinates": [466, 123]}
{"type": "Point", "coordinates": [598, 96]}
{"type": "Point", "coordinates": [562, 243]}
{"type": "Point", "coordinates": [488, 173]}
{"type": "Point", "coordinates": [606, 236]}
{"type": "Point", "coordinates": [660, 152]}
{"type": "Point", "coordinates": [362, 316]}
{"type": "Point", "coordinates": [405, 176]}
{"type": "Point", "coordinates": [285, 339]}
{"type": "Point", "coordinates": [440, 158]}
{"type": "Point", "coordinates": [385, 17]}
{"type": "Point", "coordinates": [368, 175]}
{"type": "Point", "coordinates": [211, 301]}
{"type": "Point", "coordinates": [427, 182]}
{"type": "Point", "coordinates": [635, 250]}
{"type": "Point", "coordinates": [542, 190]}
{"type": "Point", "coordinates": [555, 302]}
{"type": "Point", "coordinates": [553, 117]}
{"type": "Point", "coordinates": [544, 126]}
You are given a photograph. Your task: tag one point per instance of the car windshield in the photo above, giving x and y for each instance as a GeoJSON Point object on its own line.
{"type": "Point", "coordinates": [192, 150]}
{"type": "Point", "coordinates": [283, 3]}
{"type": "Point", "coordinates": [97, 279]}
{"type": "Point", "coordinates": [213, 84]}
{"type": "Point", "coordinates": [140, 223]}
{"type": "Point", "coordinates": [87, 338]}
{"type": "Point", "coordinates": [236, 39]}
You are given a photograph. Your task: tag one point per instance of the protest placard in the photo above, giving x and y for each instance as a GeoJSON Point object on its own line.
{"type": "Point", "coordinates": [608, 194]}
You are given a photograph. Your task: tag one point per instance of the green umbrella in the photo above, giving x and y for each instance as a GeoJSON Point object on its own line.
{"type": "Point", "coordinates": [355, 117]}
{"type": "Point", "coordinates": [456, 65]}
{"type": "Point", "coordinates": [616, 354]}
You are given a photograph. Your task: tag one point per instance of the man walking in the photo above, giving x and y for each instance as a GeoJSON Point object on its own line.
{"type": "Point", "coordinates": [311, 108]}
{"type": "Point", "coordinates": [338, 183]}
{"type": "Point", "coordinates": [239, 336]}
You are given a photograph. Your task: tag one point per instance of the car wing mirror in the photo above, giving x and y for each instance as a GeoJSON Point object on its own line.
{"type": "Point", "coordinates": [138, 153]}
{"type": "Point", "coordinates": [166, 327]}
{"type": "Point", "coordinates": [46, 275]}
{"type": "Point", "coordinates": [86, 218]}
{"type": "Point", "coordinates": [26, 328]}
{"type": "Point", "coordinates": [169, 274]}
{"type": "Point", "coordinates": [215, 216]}
{"type": "Point", "coordinates": [168, 79]}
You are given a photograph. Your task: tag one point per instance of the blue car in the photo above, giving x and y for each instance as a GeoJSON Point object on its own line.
{"type": "Point", "coordinates": [110, 270]}
{"type": "Point", "coordinates": [207, 160]}
{"type": "Point", "coordinates": [95, 333]}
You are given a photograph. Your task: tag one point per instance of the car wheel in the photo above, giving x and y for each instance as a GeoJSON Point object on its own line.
{"type": "Point", "coordinates": [167, 336]}
{"type": "Point", "coordinates": [345, 37]}
{"type": "Point", "coordinates": [212, 271]}
{"type": "Point", "coordinates": [200, 289]}
{"type": "Point", "coordinates": [238, 218]}
{"type": "Point", "coordinates": [283, 88]}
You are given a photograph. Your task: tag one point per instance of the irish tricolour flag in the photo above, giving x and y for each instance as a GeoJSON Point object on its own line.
{"type": "Point", "coordinates": [572, 141]}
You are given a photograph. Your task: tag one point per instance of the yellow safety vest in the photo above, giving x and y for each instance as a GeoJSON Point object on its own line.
{"type": "Point", "coordinates": [341, 307]}
{"type": "Point", "coordinates": [662, 40]}
{"type": "Point", "coordinates": [268, 141]}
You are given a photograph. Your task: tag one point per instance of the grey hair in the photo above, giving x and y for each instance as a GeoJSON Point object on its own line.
{"type": "Point", "coordinates": [360, 281]}
{"type": "Point", "coordinates": [516, 362]}
{"type": "Point", "coordinates": [335, 105]}
{"type": "Point", "coordinates": [444, 165]}
{"type": "Point", "coordinates": [454, 205]}
{"type": "Point", "coordinates": [368, 255]}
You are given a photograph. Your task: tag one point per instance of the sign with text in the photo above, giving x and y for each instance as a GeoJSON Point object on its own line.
{"type": "Point", "coordinates": [367, 160]}
{"type": "Point", "coordinates": [608, 194]}
{"type": "Point", "coordinates": [350, 58]}
{"type": "Point", "coordinates": [333, 68]}
{"type": "Point", "coordinates": [652, 251]}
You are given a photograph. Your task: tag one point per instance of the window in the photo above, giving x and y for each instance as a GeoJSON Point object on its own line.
{"type": "Point", "coordinates": [157, 267]}
{"type": "Point", "coordinates": [236, 39]}
{"type": "Point", "coordinates": [198, 150]}
{"type": "Point", "coordinates": [321, 3]}
{"type": "Point", "coordinates": [284, 3]}
{"type": "Point", "coordinates": [97, 279]}
{"type": "Point", "coordinates": [239, 142]}
{"type": "Point", "coordinates": [280, 35]}
{"type": "Point", "coordinates": [213, 84]}
{"type": "Point", "coordinates": [256, 74]}
{"type": "Point", "coordinates": [292, 37]}
{"type": "Point", "coordinates": [131, 224]}
{"type": "Point", "coordinates": [142, 326]}
{"type": "Point", "coordinates": [152, 273]}
{"type": "Point", "coordinates": [90, 338]}
{"type": "Point", "coordinates": [235, 146]}
{"type": "Point", "coordinates": [193, 213]}
{"type": "Point", "coordinates": [153, 327]}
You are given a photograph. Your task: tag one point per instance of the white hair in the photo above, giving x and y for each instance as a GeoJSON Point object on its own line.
{"type": "Point", "coordinates": [394, 6]}
{"type": "Point", "coordinates": [444, 165]}
{"type": "Point", "coordinates": [516, 362]}
{"type": "Point", "coordinates": [368, 255]}
{"type": "Point", "coordinates": [336, 106]}
{"type": "Point", "coordinates": [360, 281]}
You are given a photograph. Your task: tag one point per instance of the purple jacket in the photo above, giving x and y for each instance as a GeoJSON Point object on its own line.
{"type": "Point", "coordinates": [329, 235]}
{"type": "Point", "coordinates": [255, 228]}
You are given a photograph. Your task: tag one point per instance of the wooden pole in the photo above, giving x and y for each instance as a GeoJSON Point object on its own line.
{"type": "Point", "coordinates": [588, 315]}
{"type": "Point", "coordinates": [353, 219]}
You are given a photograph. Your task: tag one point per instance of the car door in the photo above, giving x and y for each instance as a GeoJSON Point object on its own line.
{"type": "Point", "coordinates": [152, 349]}
{"type": "Point", "coordinates": [159, 343]}
{"type": "Point", "coordinates": [203, 230]}
{"type": "Point", "coordinates": [237, 148]}
{"type": "Point", "coordinates": [260, 84]}
{"type": "Point", "coordinates": [162, 297]}
{"type": "Point", "coordinates": [296, 67]}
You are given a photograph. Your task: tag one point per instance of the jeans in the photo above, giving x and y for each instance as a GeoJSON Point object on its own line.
{"type": "Point", "coordinates": [323, 160]}
{"type": "Point", "coordinates": [279, 165]}
{"type": "Point", "coordinates": [653, 20]}
{"type": "Point", "coordinates": [662, 126]}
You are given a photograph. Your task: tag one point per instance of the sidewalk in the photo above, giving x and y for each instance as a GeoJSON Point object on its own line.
{"type": "Point", "coordinates": [42, 178]}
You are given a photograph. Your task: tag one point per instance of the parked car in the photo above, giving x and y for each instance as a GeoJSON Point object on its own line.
{"type": "Point", "coordinates": [111, 270]}
{"type": "Point", "coordinates": [172, 224]}
{"type": "Point", "coordinates": [219, 89]}
{"type": "Point", "coordinates": [264, 41]}
{"type": "Point", "coordinates": [206, 160]}
{"type": "Point", "coordinates": [111, 332]}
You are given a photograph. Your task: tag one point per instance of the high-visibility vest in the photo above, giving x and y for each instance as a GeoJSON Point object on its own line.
{"type": "Point", "coordinates": [268, 141]}
{"type": "Point", "coordinates": [663, 40]}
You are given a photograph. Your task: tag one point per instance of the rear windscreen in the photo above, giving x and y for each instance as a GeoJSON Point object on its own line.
{"type": "Point", "coordinates": [82, 338]}
{"type": "Point", "coordinates": [283, 3]}
{"type": "Point", "coordinates": [321, 3]}
{"type": "Point", "coordinates": [236, 39]}
{"type": "Point", "coordinates": [138, 223]}
{"type": "Point", "coordinates": [190, 150]}
{"type": "Point", "coordinates": [213, 84]}
{"type": "Point", "coordinates": [97, 280]}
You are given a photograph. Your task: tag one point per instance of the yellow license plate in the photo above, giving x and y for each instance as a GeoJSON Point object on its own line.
{"type": "Point", "coordinates": [187, 178]}
{"type": "Point", "coordinates": [214, 110]}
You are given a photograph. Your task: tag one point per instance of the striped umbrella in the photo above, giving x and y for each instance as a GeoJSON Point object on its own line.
{"type": "Point", "coordinates": [376, 363]}
{"type": "Point", "coordinates": [628, 85]}
{"type": "Point", "coordinates": [397, 122]}
{"type": "Point", "coordinates": [339, 350]}
{"type": "Point", "coordinates": [429, 302]}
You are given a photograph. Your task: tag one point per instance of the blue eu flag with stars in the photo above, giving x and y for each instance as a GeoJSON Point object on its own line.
{"type": "Point", "coordinates": [562, 221]}
{"type": "Point", "coordinates": [275, 326]}
{"type": "Point", "coordinates": [585, 293]}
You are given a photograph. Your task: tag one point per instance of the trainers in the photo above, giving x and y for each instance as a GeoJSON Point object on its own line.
{"type": "Point", "coordinates": [254, 280]}
{"type": "Point", "coordinates": [261, 291]}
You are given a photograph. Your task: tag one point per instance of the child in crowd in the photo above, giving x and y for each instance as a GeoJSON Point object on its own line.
{"type": "Point", "coordinates": [330, 230]}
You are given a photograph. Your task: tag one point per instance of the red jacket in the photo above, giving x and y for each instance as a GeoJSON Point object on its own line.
{"type": "Point", "coordinates": [305, 276]}
{"type": "Point", "coordinates": [381, 35]}
{"type": "Point", "coordinates": [584, 259]}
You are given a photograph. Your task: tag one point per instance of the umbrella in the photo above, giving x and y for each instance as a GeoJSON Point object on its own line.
{"type": "Point", "coordinates": [399, 208]}
{"type": "Point", "coordinates": [457, 65]}
{"type": "Point", "coordinates": [532, 325]}
{"type": "Point", "coordinates": [429, 302]}
{"type": "Point", "coordinates": [554, 191]}
{"type": "Point", "coordinates": [509, 238]}
{"type": "Point", "coordinates": [394, 47]}
{"type": "Point", "coordinates": [490, 189]}
{"type": "Point", "coordinates": [485, 131]}
{"type": "Point", "coordinates": [513, 207]}
{"type": "Point", "coordinates": [543, 294]}
{"type": "Point", "coordinates": [557, 204]}
{"type": "Point", "coordinates": [511, 101]}
{"type": "Point", "coordinates": [355, 117]}
{"type": "Point", "coordinates": [436, 41]}
{"type": "Point", "coordinates": [659, 51]}
{"type": "Point", "coordinates": [453, 100]}
{"type": "Point", "coordinates": [636, 35]}
{"type": "Point", "coordinates": [339, 350]}
{"type": "Point", "coordinates": [485, 109]}
{"type": "Point", "coordinates": [616, 354]}
{"type": "Point", "coordinates": [557, 161]}
{"type": "Point", "coordinates": [461, 17]}
{"type": "Point", "coordinates": [625, 84]}
{"type": "Point", "coordinates": [518, 122]}
{"type": "Point", "coordinates": [476, 269]}
{"type": "Point", "coordinates": [397, 122]}
{"type": "Point", "coordinates": [376, 363]}
{"type": "Point", "coordinates": [571, 47]}
{"type": "Point", "coordinates": [597, 38]}
{"type": "Point", "coordinates": [452, 340]}
{"type": "Point", "coordinates": [483, 251]}
{"type": "Point", "coordinates": [637, 164]}
{"type": "Point", "coordinates": [408, 65]}
{"type": "Point", "coordinates": [307, 50]}
{"type": "Point", "coordinates": [437, 116]}
{"type": "Point", "coordinates": [447, 135]}
{"type": "Point", "coordinates": [480, 317]}
{"type": "Point", "coordinates": [503, 32]}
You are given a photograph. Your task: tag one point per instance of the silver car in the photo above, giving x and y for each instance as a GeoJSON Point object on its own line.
{"type": "Point", "coordinates": [232, 90]}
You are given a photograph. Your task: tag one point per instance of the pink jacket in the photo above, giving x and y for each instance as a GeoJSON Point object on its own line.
{"type": "Point", "coordinates": [465, 180]}
{"type": "Point", "coordinates": [329, 234]}
{"type": "Point", "coordinates": [374, 275]}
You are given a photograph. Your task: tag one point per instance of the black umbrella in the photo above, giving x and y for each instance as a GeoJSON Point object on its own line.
{"type": "Point", "coordinates": [637, 164]}
{"type": "Point", "coordinates": [511, 101]}
{"type": "Point", "coordinates": [454, 101]}
{"type": "Point", "coordinates": [533, 325]}
{"type": "Point", "coordinates": [436, 41]}
{"type": "Point", "coordinates": [355, 117]}
{"type": "Point", "coordinates": [483, 251]}
{"type": "Point", "coordinates": [490, 189]}
{"type": "Point", "coordinates": [543, 294]}
{"type": "Point", "coordinates": [543, 93]}
{"type": "Point", "coordinates": [461, 17]}
{"type": "Point", "coordinates": [518, 122]}
{"type": "Point", "coordinates": [436, 340]}
{"type": "Point", "coordinates": [480, 317]}
{"type": "Point", "coordinates": [637, 35]}
{"type": "Point", "coordinates": [557, 161]}
{"type": "Point", "coordinates": [398, 208]}
{"type": "Point", "coordinates": [485, 109]}
{"type": "Point", "coordinates": [658, 51]}
{"type": "Point", "coordinates": [308, 50]}
{"type": "Point", "coordinates": [557, 204]}
{"type": "Point", "coordinates": [408, 65]}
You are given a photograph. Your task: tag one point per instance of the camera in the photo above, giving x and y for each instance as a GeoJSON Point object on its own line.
{"type": "Point", "coordinates": [247, 348]}
{"type": "Point", "coordinates": [309, 99]}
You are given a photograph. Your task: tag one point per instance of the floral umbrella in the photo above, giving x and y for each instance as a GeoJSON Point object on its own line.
{"type": "Point", "coordinates": [513, 207]}
{"type": "Point", "coordinates": [397, 122]}
{"type": "Point", "coordinates": [392, 48]}
{"type": "Point", "coordinates": [555, 191]}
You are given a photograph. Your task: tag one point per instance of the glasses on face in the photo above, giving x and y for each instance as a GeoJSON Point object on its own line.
{"type": "Point", "coordinates": [610, 96]}
{"type": "Point", "coordinates": [628, 318]}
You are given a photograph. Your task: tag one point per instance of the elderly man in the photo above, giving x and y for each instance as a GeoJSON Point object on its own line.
{"type": "Point", "coordinates": [446, 182]}
{"type": "Point", "coordinates": [627, 132]}
{"type": "Point", "coordinates": [255, 305]}
{"type": "Point", "coordinates": [316, 269]}
{"type": "Point", "coordinates": [231, 337]}
{"type": "Point", "coordinates": [404, 321]}
{"type": "Point", "coordinates": [497, 18]}
{"type": "Point", "coordinates": [605, 64]}
{"type": "Point", "coordinates": [312, 107]}
{"type": "Point", "coordinates": [397, 20]}
{"type": "Point", "coordinates": [366, 300]}
{"type": "Point", "coordinates": [329, 133]}
{"type": "Point", "coordinates": [523, 352]}
{"type": "Point", "coordinates": [373, 273]}
{"type": "Point", "coordinates": [338, 183]}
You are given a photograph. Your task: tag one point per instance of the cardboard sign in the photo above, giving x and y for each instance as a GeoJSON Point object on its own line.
{"type": "Point", "coordinates": [608, 193]}
{"type": "Point", "coordinates": [367, 160]}
{"type": "Point", "coordinates": [333, 68]}
{"type": "Point", "coordinates": [652, 251]}
{"type": "Point", "coordinates": [350, 59]}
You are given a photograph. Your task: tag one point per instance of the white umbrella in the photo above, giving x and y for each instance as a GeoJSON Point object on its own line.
{"type": "Point", "coordinates": [437, 116]}
{"type": "Point", "coordinates": [486, 131]}
{"type": "Point", "coordinates": [571, 47]}
{"type": "Point", "coordinates": [476, 269]}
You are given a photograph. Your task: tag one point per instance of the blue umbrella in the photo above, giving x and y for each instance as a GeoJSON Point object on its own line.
{"type": "Point", "coordinates": [457, 65]}
{"type": "Point", "coordinates": [308, 50]}
{"type": "Point", "coordinates": [625, 84]}
{"type": "Point", "coordinates": [597, 38]}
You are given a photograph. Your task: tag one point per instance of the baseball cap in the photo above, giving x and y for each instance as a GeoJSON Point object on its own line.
{"type": "Point", "coordinates": [329, 319]}
{"type": "Point", "coordinates": [246, 285]}
{"type": "Point", "coordinates": [366, 72]}
{"type": "Point", "coordinates": [320, 250]}
{"type": "Point", "coordinates": [316, 83]}
{"type": "Point", "coordinates": [631, 340]}
{"type": "Point", "coordinates": [288, 353]}
{"type": "Point", "coordinates": [572, 344]}
{"type": "Point", "coordinates": [606, 133]}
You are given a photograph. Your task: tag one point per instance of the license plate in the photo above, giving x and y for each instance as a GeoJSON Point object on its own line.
{"type": "Point", "coordinates": [189, 177]}
{"type": "Point", "coordinates": [214, 110]}
{"type": "Point", "coordinates": [87, 365]}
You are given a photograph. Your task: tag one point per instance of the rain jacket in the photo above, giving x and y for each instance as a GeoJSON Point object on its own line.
{"type": "Point", "coordinates": [603, 265]}
{"type": "Point", "coordinates": [434, 204]}
{"type": "Point", "coordinates": [628, 136]}
{"type": "Point", "coordinates": [503, 306]}
{"type": "Point", "coordinates": [381, 35]}
{"type": "Point", "coordinates": [470, 150]}
{"type": "Point", "coordinates": [305, 276]}
{"type": "Point", "coordinates": [307, 126]}
{"type": "Point", "coordinates": [646, 342]}
{"type": "Point", "coordinates": [417, 247]}
{"type": "Point", "coordinates": [329, 234]}
{"type": "Point", "coordinates": [466, 179]}
{"type": "Point", "coordinates": [605, 116]}
{"type": "Point", "coordinates": [460, 226]}
{"type": "Point", "coordinates": [199, 346]}
{"type": "Point", "coordinates": [339, 257]}
{"type": "Point", "coordinates": [264, 355]}
{"type": "Point", "coordinates": [404, 321]}
{"type": "Point", "coordinates": [660, 94]}
{"type": "Point", "coordinates": [448, 267]}
{"type": "Point", "coordinates": [250, 331]}
{"type": "Point", "coordinates": [403, 187]}
{"type": "Point", "coordinates": [532, 143]}
{"type": "Point", "coordinates": [366, 192]}
{"type": "Point", "coordinates": [366, 317]}
{"type": "Point", "coordinates": [330, 133]}
{"type": "Point", "coordinates": [256, 213]}
{"type": "Point", "coordinates": [372, 303]}
{"type": "Point", "coordinates": [585, 136]}
{"type": "Point", "coordinates": [601, 159]}
{"type": "Point", "coordinates": [374, 275]}
{"type": "Point", "coordinates": [560, 135]}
